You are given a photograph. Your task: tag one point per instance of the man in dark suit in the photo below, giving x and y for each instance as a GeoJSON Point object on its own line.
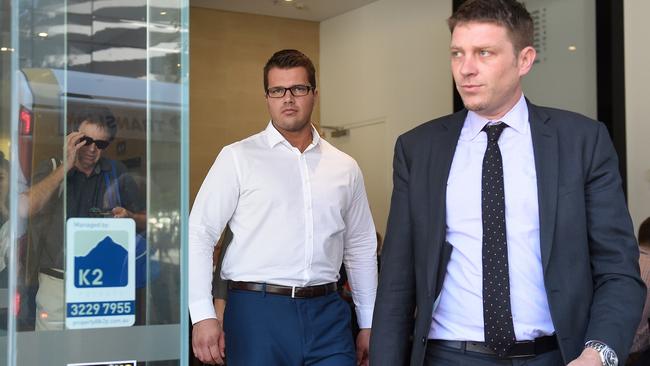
{"type": "Point", "coordinates": [509, 241]}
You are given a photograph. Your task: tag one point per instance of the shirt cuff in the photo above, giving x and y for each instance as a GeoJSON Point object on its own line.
{"type": "Point", "coordinates": [364, 316]}
{"type": "Point", "coordinates": [201, 310]}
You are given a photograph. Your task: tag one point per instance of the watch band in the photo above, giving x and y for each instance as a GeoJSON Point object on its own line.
{"type": "Point", "coordinates": [608, 356]}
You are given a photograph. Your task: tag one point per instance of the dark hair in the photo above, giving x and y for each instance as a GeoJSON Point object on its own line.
{"type": "Point", "coordinates": [510, 14]}
{"type": "Point", "coordinates": [644, 232]}
{"type": "Point", "coordinates": [287, 59]}
{"type": "Point", "coordinates": [99, 116]}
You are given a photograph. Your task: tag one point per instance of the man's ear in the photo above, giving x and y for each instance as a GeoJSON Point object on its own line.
{"type": "Point", "coordinates": [525, 60]}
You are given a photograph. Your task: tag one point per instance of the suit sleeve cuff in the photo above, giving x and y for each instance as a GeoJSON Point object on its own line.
{"type": "Point", "coordinates": [201, 310]}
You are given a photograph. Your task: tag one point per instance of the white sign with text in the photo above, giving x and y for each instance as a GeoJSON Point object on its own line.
{"type": "Point", "coordinates": [100, 273]}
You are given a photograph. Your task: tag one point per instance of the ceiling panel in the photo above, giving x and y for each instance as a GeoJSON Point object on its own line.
{"type": "Point", "coordinates": [314, 10]}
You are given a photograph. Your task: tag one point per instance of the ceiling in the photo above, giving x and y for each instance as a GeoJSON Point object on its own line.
{"type": "Point", "coordinates": [314, 10]}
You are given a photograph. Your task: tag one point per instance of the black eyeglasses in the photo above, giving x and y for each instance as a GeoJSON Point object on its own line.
{"type": "Point", "coordinates": [101, 144]}
{"type": "Point", "coordinates": [296, 91]}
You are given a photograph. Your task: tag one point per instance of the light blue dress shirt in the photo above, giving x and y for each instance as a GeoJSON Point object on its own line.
{"type": "Point", "coordinates": [458, 314]}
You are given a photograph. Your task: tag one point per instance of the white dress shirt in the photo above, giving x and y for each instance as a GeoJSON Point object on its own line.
{"type": "Point", "coordinates": [294, 216]}
{"type": "Point", "coordinates": [459, 311]}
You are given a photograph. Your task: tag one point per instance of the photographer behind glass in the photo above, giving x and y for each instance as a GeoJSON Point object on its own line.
{"type": "Point", "coordinates": [87, 176]}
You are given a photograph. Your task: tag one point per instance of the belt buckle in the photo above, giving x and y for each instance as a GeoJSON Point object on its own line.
{"type": "Point", "coordinates": [530, 350]}
{"type": "Point", "coordinates": [293, 292]}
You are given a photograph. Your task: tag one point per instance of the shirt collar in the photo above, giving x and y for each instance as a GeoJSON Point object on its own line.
{"type": "Point", "coordinates": [516, 118]}
{"type": "Point", "coordinates": [274, 137]}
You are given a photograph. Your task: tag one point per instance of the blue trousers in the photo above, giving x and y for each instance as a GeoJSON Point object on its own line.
{"type": "Point", "coordinates": [268, 329]}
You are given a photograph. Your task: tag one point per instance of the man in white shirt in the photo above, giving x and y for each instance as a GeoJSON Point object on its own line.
{"type": "Point", "coordinates": [297, 209]}
{"type": "Point", "coordinates": [508, 240]}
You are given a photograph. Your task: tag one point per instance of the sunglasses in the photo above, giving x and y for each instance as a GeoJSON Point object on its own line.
{"type": "Point", "coordinates": [101, 144]}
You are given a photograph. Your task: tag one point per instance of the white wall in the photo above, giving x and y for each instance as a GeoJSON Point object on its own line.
{"type": "Point", "coordinates": [637, 100]}
{"type": "Point", "coordinates": [384, 69]}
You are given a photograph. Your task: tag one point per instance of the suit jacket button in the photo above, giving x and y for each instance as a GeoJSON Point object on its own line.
{"type": "Point", "coordinates": [424, 341]}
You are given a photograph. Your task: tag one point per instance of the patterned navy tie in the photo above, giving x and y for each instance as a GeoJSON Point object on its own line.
{"type": "Point", "coordinates": [497, 316]}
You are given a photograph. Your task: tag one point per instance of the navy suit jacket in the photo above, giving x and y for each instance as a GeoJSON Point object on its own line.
{"type": "Point", "coordinates": [589, 252]}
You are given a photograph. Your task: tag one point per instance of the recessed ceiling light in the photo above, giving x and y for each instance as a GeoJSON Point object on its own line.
{"type": "Point", "coordinates": [163, 13]}
{"type": "Point", "coordinates": [572, 48]}
{"type": "Point", "coordinates": [42, 34]}
{"type": "Point", "coordinates": [3, 49]}
{"type": "Point", "coordinates": [299, 5]}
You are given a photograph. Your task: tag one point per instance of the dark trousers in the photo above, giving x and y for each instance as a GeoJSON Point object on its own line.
{"type": "Point", "coordinates": [438, 355]}
{"type": "Point", "coordinates": [267, 329]}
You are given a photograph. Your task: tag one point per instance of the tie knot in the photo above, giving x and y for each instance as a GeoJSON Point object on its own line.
{"type": "Point", "coordinates": [494, 131]}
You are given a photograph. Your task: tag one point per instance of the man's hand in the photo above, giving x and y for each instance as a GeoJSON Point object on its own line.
{"type": "Point", "coordinates": [588, 357]}
{"type": "Point", "coordinates": [73, 145]}
{"type": "Point", "coordinates": [209, 341]}
{"type": "Point", "coordinates": [363, 345]}
{"type": "Point", "coordinates": [121, 212]}
{"type": "Point", "coordinates": [140, 218]}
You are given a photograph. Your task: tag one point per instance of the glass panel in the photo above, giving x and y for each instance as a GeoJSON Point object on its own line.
{"type": "Point", "coordinates": [93, 107]}
{"type": "Point", "coordinates": [165, 90]}
{"type": "Point", "coordinates": [564, 74]}
{"type": "Point", "coordinates": [8, 228]}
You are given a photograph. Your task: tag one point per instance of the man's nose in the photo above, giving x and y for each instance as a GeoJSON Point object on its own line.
{"type": "Point", "coordinates": [468, 66]}
{"type": "Point", "coordinates": [288, 97]}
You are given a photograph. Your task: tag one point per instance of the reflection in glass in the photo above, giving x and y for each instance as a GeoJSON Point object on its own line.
{"type": "Point", "coordinates": [121, 59]}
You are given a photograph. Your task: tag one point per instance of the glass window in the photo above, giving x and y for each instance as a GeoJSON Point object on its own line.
{"type": "Point", "coordinates": [93, 181]}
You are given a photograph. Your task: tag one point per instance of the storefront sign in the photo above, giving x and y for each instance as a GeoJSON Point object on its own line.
{"type": "Point", "coordinates": [100, 273]}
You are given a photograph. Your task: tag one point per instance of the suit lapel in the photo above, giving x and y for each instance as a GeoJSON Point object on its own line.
{"type": "Point", "coordinates": [545, 147]}
{"type": "Point", "coordinates": [443, 146]}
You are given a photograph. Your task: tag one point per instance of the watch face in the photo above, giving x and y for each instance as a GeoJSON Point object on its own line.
{"type": "Point", "coordinates": [610, 358]}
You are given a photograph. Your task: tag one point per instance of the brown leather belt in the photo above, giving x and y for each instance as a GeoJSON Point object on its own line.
{"type": "Point", "coordinates": [518, 350]}
{"type": "Point", "coordinates": [295, 292]}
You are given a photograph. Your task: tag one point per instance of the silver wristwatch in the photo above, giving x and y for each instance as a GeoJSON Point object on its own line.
{"type": "Point", "coordinates": [607, 355]}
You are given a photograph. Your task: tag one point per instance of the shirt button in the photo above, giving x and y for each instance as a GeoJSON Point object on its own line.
{"type": "Point", "coordinates": [424, 341]}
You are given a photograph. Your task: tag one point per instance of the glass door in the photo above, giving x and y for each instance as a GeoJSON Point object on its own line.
{"type": "Point", "coordinates": [93, 181]}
